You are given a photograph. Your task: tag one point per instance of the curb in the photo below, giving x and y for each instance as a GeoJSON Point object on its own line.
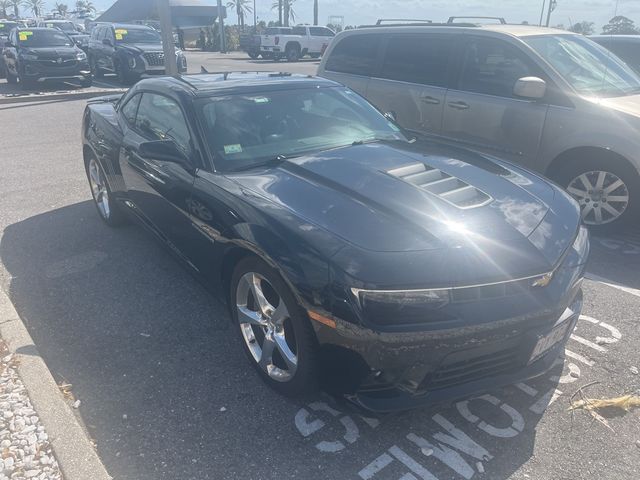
{"type": "Point", "coordinates": [60, 96]}
{"type": "Point", "coordinates": [72, 448]}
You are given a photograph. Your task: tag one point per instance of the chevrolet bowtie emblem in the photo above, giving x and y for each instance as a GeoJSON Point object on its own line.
{"type": "Point", "coordinates": [59, 60]}
{"type": "Point", "coordinates": [543, 280]}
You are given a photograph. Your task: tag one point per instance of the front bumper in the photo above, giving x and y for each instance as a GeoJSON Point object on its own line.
{"type": "Point", "coordinates": [37, 71]}
{"type": "Point", "coordinates": [483, 344]}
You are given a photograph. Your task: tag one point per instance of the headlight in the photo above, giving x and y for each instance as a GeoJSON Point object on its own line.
{"type": "Point", "coordinates": [29, 56]}
{"type": "Point", "coordinates": [81, 56]}
{"type": "Point", "coordinates": [395, 307]}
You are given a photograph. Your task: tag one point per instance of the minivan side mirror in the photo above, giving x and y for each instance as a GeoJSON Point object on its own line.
{"type": "Point", "coordinates": [532, 88]}
{"type": "Point", "coordinates": [163, 150]}
{"type": "Point", "coordinates": [107, 42]}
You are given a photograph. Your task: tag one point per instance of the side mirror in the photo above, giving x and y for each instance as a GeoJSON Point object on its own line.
{"type": "Point", "coordinates": [530, 87]}
{"type": "Point", "coordinates": [107, 42]}
{"type": "Point", "coordinates": [163, 150]}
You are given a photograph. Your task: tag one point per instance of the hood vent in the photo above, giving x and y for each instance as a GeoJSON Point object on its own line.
{"type": "Point", "coordinates": [445, 186]}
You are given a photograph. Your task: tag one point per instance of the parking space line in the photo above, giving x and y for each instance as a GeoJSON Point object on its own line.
{"type": "Point", "coordinates": [613, 284]}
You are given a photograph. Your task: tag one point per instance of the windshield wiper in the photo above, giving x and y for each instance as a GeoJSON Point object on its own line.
{"type": "Point", "coordinates": [269, 162]}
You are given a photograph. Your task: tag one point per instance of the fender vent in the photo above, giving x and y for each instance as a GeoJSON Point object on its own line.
{"type": "Point", "coordinates": [445, 186]}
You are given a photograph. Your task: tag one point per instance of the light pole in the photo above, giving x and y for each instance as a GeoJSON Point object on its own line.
{"type": "Point", "coordinates": [544, 2]}
{"type": "Point", "coordinates": [552, 7]}
{"type": "Point", "coordinates": [255, 17]}
{"type": "Point", "coordinates": [166, 30]}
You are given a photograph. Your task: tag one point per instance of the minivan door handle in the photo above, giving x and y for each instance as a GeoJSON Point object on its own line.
{"type": "Point", "coordinates": [430, 100]}
{"type": "Point", "coordinates": [459, 105]}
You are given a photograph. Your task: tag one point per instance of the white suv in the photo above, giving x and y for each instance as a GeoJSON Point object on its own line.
{"type": "Point", "coordinates": [548, 99]}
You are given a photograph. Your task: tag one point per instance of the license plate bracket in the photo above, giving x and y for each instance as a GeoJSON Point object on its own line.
{"type": "Point", "coordinates": [548, 341]}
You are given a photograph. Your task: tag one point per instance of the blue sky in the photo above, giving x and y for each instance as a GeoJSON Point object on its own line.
{"type": "Point", "coordinates": [367, 11]}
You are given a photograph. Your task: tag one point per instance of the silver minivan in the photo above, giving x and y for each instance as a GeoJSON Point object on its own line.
{"type": "Point", "coordinates": [551, 100]}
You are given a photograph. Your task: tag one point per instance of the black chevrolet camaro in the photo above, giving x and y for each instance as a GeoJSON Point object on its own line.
{"type": "Point", "coordinates": [394, 270]}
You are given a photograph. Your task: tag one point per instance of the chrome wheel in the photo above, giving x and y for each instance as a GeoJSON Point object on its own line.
{"type": "Point", "coordinates": [98, 184]}
{"type": "Point", "coordinates": [266, 327]}
{"type": "Point", "coordinates": [603, 196]}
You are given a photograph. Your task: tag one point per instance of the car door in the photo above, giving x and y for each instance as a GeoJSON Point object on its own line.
{"type": "Point", "coordinates": [160, 189]}
{"type": "Point", "coordinates": [481, 109]}
{"type": "Point", "coordinates": [109, 50]}
{"type": "Point", "coordinates": [353, 60]}
{"type": "Point", "coordinates": [99, 47]}
{"type": "Point", "coordinates": [412, 80]}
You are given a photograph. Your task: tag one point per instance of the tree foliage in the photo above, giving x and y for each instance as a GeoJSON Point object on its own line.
{"type": "Point", "coordinates": [620, 25]}
{"type": "Point", "coordinates": [585, 28]}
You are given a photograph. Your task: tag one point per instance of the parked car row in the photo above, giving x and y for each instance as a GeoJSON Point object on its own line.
{"type": "Point", "coordinates": [57, 51]}
{"type": "Point", "coordinates": [553, 101]}
{"type": "Point", "coordinates": [292, 43]}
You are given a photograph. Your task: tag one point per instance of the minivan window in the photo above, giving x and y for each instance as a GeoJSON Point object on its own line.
{"type": "Point", "coordinates": [417, 59]}
{"type": "Point", "coordinates": [492, 67]}
{"type": "Point", "coordinates": [355, 54]}
{"type": "Point", "coordinates": [588, 67]}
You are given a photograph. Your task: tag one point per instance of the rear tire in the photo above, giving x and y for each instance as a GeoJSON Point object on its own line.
{"type": "Point", "coordinates": [273, 329]}
{"type": "Point", "coordinates": [253, 55]}
{"type": "Point", "coordinates": [103, 199]}
{"type": "Point", "coordinates": [95, 71]}
{"type": "Point", "coordinates": [292, 53]}
{"type": "Point", "coordinates": [607, 189]}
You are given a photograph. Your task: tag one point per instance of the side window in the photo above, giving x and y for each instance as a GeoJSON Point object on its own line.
{"type": "Point", "coordinates": [160, 118]}
{"type": "Point", "coordinates": [418, 59]}
{"type": "Point", "coordinates": [99, 33]}
{"type": "Point", "coordinates": [355, 54]}
{"type": "Point", "coordinates": [130, 109]}
{"type": "Point", "coordinates": [299, 31]}
{"type": "Point", "coordinates": [492, 67]}
{"type": "Point", "coordinates": [320, 32]}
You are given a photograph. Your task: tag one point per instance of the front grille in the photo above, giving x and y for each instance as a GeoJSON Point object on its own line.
{"type": "Point", "coordinates": [498, 290]}
{"type": "Point", "coordinates": [476, 368]}
{"type": "Point", "coordinates": [54, 63]}
{"type": "Point", "coordinates": [445, 186]}
{"type": "Point", "coordinates": [154, 59]}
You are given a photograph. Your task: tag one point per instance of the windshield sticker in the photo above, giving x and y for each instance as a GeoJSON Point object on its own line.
{"type": "Point", "coordinates": [235, 148]}
{"type": "Point", "coordinates": [119, 36]}
{"type": "Point", "coordinates": [24, 35]}
{"type": "Point", "coordinates": [49, 25]}
{"type": "Point", "coordinates": [261, 100]}
{"type": "Point", "coordinates": [1, 25]}
{"type": "Point", "coordinates": [121, 31]}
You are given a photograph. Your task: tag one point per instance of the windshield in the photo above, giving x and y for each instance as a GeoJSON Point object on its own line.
{"type": "Point", "coordinates": [68, 27]}
{"type": "Point", "coordinates": [249, 130]}
{"type": "Point", "coordinates": [43, 38]}
{"type": "Point", "coordinates": [6, 27]}
{"type": "Point", "coordinates": [137, 35]}
{"type": "Point", "coordinates": [590, 68]}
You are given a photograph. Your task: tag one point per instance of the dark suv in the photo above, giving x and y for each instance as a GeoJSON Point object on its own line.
{"type": "Point", "coordinates": [36, 55]}
{"type": "Point", "coordinates": [129, 51]}
{"type": "Point", "coordinates": [71, 29]}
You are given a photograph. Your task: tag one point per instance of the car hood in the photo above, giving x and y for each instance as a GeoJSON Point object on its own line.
{"type": "Point", "coordinates": [142, 47]}
{"type": "Point", "coordinates": [53, 53]}
{"type": "Point", "coordinates": [483, 211]}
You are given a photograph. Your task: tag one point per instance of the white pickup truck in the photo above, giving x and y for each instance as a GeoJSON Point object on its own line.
{"type": "Point", "coordinates": [303, 40]}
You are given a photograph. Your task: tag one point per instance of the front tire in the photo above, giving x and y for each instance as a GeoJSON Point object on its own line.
{"type": "Point", "coordinates": [253, 55]}
{"type": "Point", "coordinates": [608, 192]}
{"type": "Point", "coordinates": [95, 71]}
{"type": "Point", "coordinates": [273, 329]}
{"type": "Point", "coordinates": [103, 199]}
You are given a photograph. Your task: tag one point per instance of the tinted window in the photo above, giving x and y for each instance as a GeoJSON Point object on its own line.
{"type": "Point", "coordinates": [246, 130]}
{"type": "Point", "coordinates": [417, 59]}
{"type": "Point", "coordinates": [160, 118]}
{"type": "Point", "coordinates": [629, 52]}
{"type": "Point", "coordinates": [137, 35]}
{"type": "Point", "coordinates": [321, 32]}
{"type": "Point", "coordinates": [492, 67]}
{"type": "Point", "coordinates": [6, 27]}
{"type": "Point", "coordinates": [299, 31]}
{"type": "Point", "coordinates": [356, 54]}
{"type": "Point", "coordinates": [43, 38]}
{"type": "Point", "coordinates": [130, 109]}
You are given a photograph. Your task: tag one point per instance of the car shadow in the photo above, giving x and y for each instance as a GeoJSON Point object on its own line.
{"type": "Point", "coordinates": [167, 392]}
{"type": "Point", "coordinates": [8, 89]}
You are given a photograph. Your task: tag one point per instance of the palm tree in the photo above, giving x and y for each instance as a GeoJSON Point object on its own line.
{"type": "Point", "coordinates": [36, 6]}
{"type": "Point", "coordinates": [315, 12]}
{"type": "Point", "coordinates": [4, 4]}
{"type": "Point", "coordinates": [242, 7]}
{"type": "Point", "coordinates": [16, 4]}
{"type": "Point", "coordinates": [287, 7]}
{"type": "Point", "coordinates": [61, 8]}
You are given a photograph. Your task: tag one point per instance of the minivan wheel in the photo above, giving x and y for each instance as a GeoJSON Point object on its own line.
{"type": "Point", "coordinates": [607, 193]}
{"type": "Point", "coordinates": [274, 331]}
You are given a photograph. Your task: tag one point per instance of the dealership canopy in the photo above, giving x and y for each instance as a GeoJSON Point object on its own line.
{"type": "Point", "coordinates": [184, 13]}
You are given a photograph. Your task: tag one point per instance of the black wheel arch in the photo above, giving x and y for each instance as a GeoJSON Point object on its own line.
{"type": "Point", "coordinates": [577, 154]}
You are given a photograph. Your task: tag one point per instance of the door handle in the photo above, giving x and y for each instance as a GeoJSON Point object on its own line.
{"type": "Point", "coordinates": [430, 100]}
{"type": "Point", "coordinates": [459, 105]}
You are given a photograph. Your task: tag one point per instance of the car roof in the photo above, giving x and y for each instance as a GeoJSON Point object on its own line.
{"type": "Point", "coordinates": [508, 29]}
{"type": "Point", "coordinates": [131, 26]}
{"type": "Point", "coordinates": [37, 29]}
{"type": "Point", "coordinates": [210, 84]}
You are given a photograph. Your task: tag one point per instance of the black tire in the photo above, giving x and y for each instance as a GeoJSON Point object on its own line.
{"type": "Point", "coordinates": [253, 55]}
{"type": "Point", "coordinates": [315, 56]}
{"type": "Point", "coordinates": [292, 53]}
{"type": "Point", "coordinates": [86, 83]}
{"type": "Point", "coordinates": [115, 217]}
{"type": "Point", "coordinates": [95, 71]}
{"type": "Point", "coordinates": [3, 68]}
{"type": "Point", "coordinates": [305, 379]}
{"type": "Point", "coordinates": [617, 167]}
{"type": "Point", "coordinates": [123, 77]}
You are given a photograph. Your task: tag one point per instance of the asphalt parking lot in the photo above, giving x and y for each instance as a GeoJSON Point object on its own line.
{"type": "Point", "coordinates": [167, 393]}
